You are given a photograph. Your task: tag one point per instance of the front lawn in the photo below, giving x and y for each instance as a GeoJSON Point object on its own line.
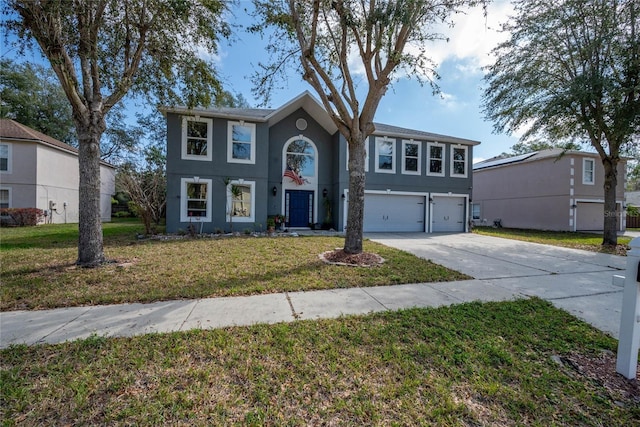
{"type": "Point", "coordinates": [38, 268]}
{"type": "Point", "coordinates": [586, 241]}
{"type": "Point", "coordinates": [500, 364]}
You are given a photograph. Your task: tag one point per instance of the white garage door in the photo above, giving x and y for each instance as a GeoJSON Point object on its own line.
{"type": "Point", "coordinates": [393, 212]}
{"type": "Point", "coordinates": [448, 214]}
{"type": "Point", "coordinates": [589, 216]}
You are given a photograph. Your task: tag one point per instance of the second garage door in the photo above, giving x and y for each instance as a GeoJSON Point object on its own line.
{"type": "Point", "coordinates": [589, 216]}
{"type": "Point", "coordinates": [448, 214]}
{"type": "Point", "coordinates": [394, 212]}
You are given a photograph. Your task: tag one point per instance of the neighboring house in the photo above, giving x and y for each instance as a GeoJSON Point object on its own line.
{"type": "Point", "coordinates": [37, 171]}
{"type": "Point", "coordinates": [544, 190]}
{"type": "Point", "coordinates": [633, 198]}
{"type": "Point", "coordinates": [292, 161]}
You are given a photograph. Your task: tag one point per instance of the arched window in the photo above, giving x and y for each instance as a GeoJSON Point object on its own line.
{"type": "Point", "coordinates": [301, 158]}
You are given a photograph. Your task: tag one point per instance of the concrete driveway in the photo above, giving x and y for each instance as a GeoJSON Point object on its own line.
{"type": "Point", "coordinates": [574, 280]}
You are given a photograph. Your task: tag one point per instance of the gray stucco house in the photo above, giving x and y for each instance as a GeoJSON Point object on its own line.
{"type": "Point", "coordinates": [545, 190]}
{"type": "Point", "coordinates": [292, 161]}
{"type": "Point", "coordinates": [38, 171]}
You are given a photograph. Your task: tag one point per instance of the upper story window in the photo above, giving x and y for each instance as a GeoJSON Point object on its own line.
{"type": "Point", "coordinates": [411, 154]}
{"type": "Point", "coordinates": [385, 155]}
{"type": "Point", "coordinates": [588, 171]}
{"type": "Point", "coordinates": [300, 161]}
{"type": "Point", "coordinates": [196, 138]}
{"type": "Point", "coordinates": [366, 156]}
{"type": "Point", "coordinates": [195, 199]}
{"type": "Point", "coordinates": [459, 161]}
{"type": "Point", "coordinates": [241, 139]}
{"type": "Point", "coordinates": [435, 159]}
{"type": "Point", "coordinates": [241, 201]}
{"type": "Point", "coordinates": [5, 158]}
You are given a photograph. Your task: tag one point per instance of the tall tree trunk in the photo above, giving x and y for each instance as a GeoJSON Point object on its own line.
{"type": "Point", "coordinates": [610, 235]}
{"type": "Point", "coordinates": [90, 246]}
{"type": "Point", "coordinates": [355, 213]}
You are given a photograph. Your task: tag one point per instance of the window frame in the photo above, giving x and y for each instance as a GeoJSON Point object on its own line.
{"type": "Point", "coordinates": [442, 160]}
{"type": "Point", "coordinates": [9, 158]}
{"type": "Point", "coordinates": [366, 156]}
{"type": "Point", "coordinates": [252, 150]}
{"type": "Point", "coordinates": [252, 188]}
{"type": "Point", "coordinates": [452, 161]}
{"type": "Point", "coordinates": [406, 142]}
{"type": "Point", "coordinates": [184, 213]}
{"type": "Point", "coordinates": [593, 171]}
{"type": "Point", "coordinates": [184, 149]}
{"type": "Point", "coordinates": [393, 155]}
{"type": "Point", "coordinates": [473, 208]}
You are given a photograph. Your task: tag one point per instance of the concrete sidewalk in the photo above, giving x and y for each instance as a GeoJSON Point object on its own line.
{"type": "Point", "coordinates": [577, 281]}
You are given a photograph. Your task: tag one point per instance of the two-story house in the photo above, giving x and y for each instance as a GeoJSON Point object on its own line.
{"type": "Point", "coordinates": [545, 190]}
{"type": "Point", "coordinates": [235, 167]}
{"type": "Point", "coordinates": [38, 171]}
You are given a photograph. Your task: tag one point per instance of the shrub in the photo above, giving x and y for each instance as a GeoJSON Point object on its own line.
{"type": "Point", "coordinates": [23, 216]}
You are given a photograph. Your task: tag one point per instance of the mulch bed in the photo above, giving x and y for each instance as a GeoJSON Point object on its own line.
{"type": "Point", "coordinates": [340, 257]}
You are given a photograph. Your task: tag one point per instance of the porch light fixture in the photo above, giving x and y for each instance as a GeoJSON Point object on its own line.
{"type": "Point", "coordinates": [324, 193]}
{"type": "Point", "coordinates": [574, 206]}
{"type": "Point", "coordinates": [343, 196]}
{"type": "Point", "coordinates": [274, 190]}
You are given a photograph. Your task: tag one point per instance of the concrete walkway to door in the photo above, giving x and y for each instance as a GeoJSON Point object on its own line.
{"type": "Point", "coordinates": [577, 281]}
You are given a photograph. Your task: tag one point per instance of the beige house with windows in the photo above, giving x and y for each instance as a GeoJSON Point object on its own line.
{"type": "Point", "coordinates": [544, 190]}
{"type": "Point", "coordinates": [37, 171]}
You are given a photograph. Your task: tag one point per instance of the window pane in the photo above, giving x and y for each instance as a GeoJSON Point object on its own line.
{"type": "Point", "coordinates": [196, 191]}
{"type": "Point", "coordinates": [435, 166]}
{"type": "Point", "coordinates": [4, 164]}
{"type": "Point", "coordinates": [242, 133]}
{"type": "Point", "coordinates": [242, 150]}
{"type": "Point", "coordinates": [435, 152]}
{"type": "Point", "coordinates": [4, 151]}
{"type": "Point", "coordinates": [197, 147]}
{"type": "Point", "coordinates": [385, 162]}
{"type": "Point", "coordinates": [458, 154]}
{"type": "Point", "coordinates": [411, 164]}
{"type": "Point", "coordinates": [196, 129]}
{"type": "Point", "coordinates": [411, 150]}
{"type": "Point", "coordinates": [241, 204]}
{"type": "Point", "coordinates": [4, 196]}
{"type": "Point", "coordinates": [300, 146]}
{"type": "Point", "coordinates": [302, 164]}
{"type": "Point", "coordinates": [458, 168]}
{"type": "Point", "coordinates": [385, 148]}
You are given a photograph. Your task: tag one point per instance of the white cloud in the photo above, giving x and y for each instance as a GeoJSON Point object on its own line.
{"type": "Point", "coordinates": [473, 36]}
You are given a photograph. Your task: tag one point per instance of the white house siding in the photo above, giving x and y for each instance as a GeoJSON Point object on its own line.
{"type": "Point", "coordinates": [57, 182]}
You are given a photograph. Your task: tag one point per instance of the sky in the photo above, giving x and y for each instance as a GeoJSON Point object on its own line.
{"type": "Point", "coordinates": [455, 111]}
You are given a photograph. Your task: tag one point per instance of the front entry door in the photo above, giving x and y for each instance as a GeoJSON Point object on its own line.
{"type": "Point", "coordinates": [299, 208]}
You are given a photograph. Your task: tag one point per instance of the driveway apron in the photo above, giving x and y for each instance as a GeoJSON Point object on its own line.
{"type": "Point", "coordinates": [577, 281]}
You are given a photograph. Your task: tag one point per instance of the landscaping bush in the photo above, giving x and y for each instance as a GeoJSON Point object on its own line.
{"type": "Point", "coordinates": [22, 216]}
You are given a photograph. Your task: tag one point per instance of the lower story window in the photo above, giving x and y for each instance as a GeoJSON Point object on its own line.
{"type": "Point", "coordinates": [195, 199]}
{"type": "Point", "coordinates": [5, 198]}
{"type": "Point", "coordinates": [241, 201]}
{"type": "Point", "coordinates": [475, 211]}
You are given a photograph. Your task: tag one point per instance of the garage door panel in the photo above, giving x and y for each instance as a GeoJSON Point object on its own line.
{"type": "Point", "coordinates": [589, 216]}
{"type": "Point", "coordinates": [394, 212]}
{"type": "Point", "coordinates": [448, 214]}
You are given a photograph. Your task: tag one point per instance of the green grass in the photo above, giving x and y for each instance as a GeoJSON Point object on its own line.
{"type": "Point", "coordinates": [38, 268]}
{"type": "Point", "coordinates": [586, 241]}
{"type": "Point", "coordinates": [463, 365]}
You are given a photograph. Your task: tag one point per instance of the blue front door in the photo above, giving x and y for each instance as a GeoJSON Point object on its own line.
{"type": "Point", "coordinates": [299, 208]}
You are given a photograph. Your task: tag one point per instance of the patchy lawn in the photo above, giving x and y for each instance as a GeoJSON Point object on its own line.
{"type": "Point", "coordinates": [586, 241]}
{"type": "Point", "coordinates": [38, 268]}
{"type": "Point", "coordinates": [507, 364]}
